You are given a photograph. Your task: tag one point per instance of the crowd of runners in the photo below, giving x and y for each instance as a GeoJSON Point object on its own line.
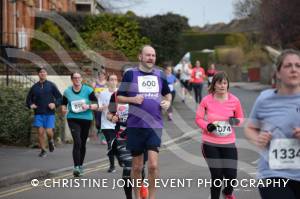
{"type": "Point", "coordinates": [129, 120]}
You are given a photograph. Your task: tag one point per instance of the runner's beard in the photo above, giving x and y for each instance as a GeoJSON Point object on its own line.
{"type": "Point", "coordinates": [148, 65]}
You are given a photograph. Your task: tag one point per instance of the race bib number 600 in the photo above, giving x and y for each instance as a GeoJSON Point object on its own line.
{"type": "Point", "coordinates": [284, 154]}
{"type": "Point", "coordinates": [148, 84]}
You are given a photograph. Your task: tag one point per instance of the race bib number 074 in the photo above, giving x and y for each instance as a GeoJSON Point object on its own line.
{"type": "Point", "coordinates": [284, 154]}
{"type": "Point", "coordinates": [148, 84]}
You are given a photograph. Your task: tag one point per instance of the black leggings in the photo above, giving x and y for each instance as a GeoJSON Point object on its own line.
{"type": "Point", "coordinates": [222, 163]}
{"type": "Point", "coordinates": [291, 191]}
{"type": "Point", "coordinates": [80, 130]}
{"type": "Point", "coordinates": [110, 134]}
{"type": "Point", "coordinates": [198, 91]}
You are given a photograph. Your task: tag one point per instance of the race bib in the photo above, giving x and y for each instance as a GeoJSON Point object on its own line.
{"type": "Point", "coordinates": [171, 87]}
{"type": "Point", "coordinates": [76, 106]}
{"type": "Point", "coordinates": [223, 128]}
{"type": "Point", "coordinates": [284, 154]}
{"type": "Point", "coordinates": [198, 74]}
{"type": "Point", "coordinates": [122, 112]}
{"type": "Point", "coordinates": [148, 84]}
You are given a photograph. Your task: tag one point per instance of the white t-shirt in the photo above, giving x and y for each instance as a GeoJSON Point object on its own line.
{"type": "Point", "coordinates": [103, 100]}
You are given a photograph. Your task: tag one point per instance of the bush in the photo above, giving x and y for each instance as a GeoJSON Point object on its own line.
{"type": "Point", "coordinates": [230, 56]}
{"type": "Point", "coordinates": [194, 41]}
{"type": "Point", "coordinates": [51, 30]}
{"type": "Point", "coordinates": [15, 118]}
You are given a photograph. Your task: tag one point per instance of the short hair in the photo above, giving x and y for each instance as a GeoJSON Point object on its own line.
{"type": "Point", "coordinates": [283, 55]}
{"type": "Point", "coordinates": [38, 70]}
{"type": "Point", "coordinates": [72, 74]}
{"type": "Point", "coordinates": [144, 46]}
{"type": "Point", "coordinates": [218, 77]}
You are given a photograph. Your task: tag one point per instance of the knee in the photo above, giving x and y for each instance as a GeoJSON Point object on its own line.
{"type": "Point", "coordinates": [77, 145]}
{"type": "Point", "coordinates": [137, 168]}
{"type": "Point", "coordinates": [152, 167]}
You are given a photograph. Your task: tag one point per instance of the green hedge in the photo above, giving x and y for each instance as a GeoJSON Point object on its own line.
{"type": "Point", "coordinates": [193, 41]}
{"type": "Point", "coordinates": [204, 58]}
{"type": "Point", "coordinates": [15, 118]}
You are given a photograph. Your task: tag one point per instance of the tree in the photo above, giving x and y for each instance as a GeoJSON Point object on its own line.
{"type": "Point", "coordinates": [165, 32]}
{"type": "Point", "coordinates": [281, 23]}
{"type": "Point", "coordinates": [246, 8]}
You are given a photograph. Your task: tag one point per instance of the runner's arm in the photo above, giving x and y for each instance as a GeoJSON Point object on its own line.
{"type": "Point", "coordinates": [200, 115]}
{"type": "Point", "coordinates": [94, 100]}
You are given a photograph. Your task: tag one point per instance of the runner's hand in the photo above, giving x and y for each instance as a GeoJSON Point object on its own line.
{"type": "Point", "coordinates": [33, 106]}
{"type": "Point", "coordinates": [51, 106]}
{"type": "Point", "coordinates": [165, 104]}
{"type": "Point", "coordinates": [114, 119]}
{"type": "Point", "coordinates": [138, 99]}
{"type": "Point", "coordinates": [211, 127]}
{"type": "Point", "coordinates": [264, 139]}
{"type": "Point", "coordinates": [85, 107]}
{"type": "Point", "coordinates": [233, 121]}
{"type": "Point", "coordinates": [296, 133]}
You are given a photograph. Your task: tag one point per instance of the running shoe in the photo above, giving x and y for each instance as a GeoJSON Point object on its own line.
{"type": "Point", "coordinates": [143, 192]}
{"type": "Point", "coordinates": [76, 171]}
{"type": "Point", "coordinates": [111, 170]}
{"type": "Point", "coordinates": [43, 154]}
{"type": "Point", "coordinates": [81, 170]}
{"type": "Point", "coordinates": [229, 196]}
{"type": "Point", "coordinates": [51, 145]}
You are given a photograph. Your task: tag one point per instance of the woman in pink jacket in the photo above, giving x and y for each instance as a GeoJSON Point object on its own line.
{"type": "Point", "coordinates": [216, 115]}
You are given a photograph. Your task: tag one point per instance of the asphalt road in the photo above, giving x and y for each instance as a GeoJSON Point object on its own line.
{"type": "Point", "coordinates": [182, 167]}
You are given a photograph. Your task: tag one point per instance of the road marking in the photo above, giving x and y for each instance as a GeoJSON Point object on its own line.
{"type": "Point", "coordinates": [30, 187]}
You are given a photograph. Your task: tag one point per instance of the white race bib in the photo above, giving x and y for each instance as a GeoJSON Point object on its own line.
{"type": "Point", "coordinates": [223, 128]}
{"type": "Point", "coordinates": [76, 106]}
{"type": "Point", "coordinates": [148, 84]}
{"type": "Point", "coordinates": [122, 112]}
{"type": "Point", "coordinates": [284, 154]}
{"type": "Point", "coordinates": [198, 74]}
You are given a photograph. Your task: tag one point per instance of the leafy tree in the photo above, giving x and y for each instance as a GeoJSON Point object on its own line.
{"type": "Point", "coordinates": [165, 31]}
{"type": "Point", "coordinates": [119, 32]}
{"type": "Point", "coordinates": [53, 31]}
{"type": "Point", "coordinates": [281, 22]}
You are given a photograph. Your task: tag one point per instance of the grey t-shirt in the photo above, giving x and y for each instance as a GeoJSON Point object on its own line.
{"type": "Point", "coordinates": [278, 114]}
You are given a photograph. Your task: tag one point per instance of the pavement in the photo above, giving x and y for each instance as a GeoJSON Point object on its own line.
{"type": "Point", "coordinates": [20, 164]}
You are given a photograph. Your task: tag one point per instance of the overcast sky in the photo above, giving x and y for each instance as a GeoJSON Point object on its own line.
{"type": "Point", "coordinates": [199, 12]}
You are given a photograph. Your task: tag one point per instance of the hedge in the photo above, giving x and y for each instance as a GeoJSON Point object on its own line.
{"type": "Point", "coordinates": [16, 119]}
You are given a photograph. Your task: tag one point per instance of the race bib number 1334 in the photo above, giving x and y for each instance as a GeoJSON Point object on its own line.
{"type": "Point", "coordinates": [284, 154]}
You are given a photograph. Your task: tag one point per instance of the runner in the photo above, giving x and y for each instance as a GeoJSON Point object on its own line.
{"type": "Point", "coordinates": [185, 76]}
{"type": "Point", "coordinates": [118, 114]}
{"type": "Point", "coordinates": [77, 104]}
{"type": "Point", "coordinates": [99, 86]}
{"type": "Point", "coordinates": [216, 115]}
{"type": "Point", "coordinates": [142, 88]}
{"type": "Point", "coordinates": [210, 73]}
{"type": "Point", "coordinates": [197, 78]}
{"type": "Point", "coordinates": [107, 127]}
{"type": "Point", "coordinates": [43, 98]}
{"type": "Point", "coordinates": [274, 127]}
{"type": "Point", "coordinates": [171, 82]}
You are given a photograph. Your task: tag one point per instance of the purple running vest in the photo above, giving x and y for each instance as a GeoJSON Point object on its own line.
{"type": "Point", "coordinates": [148, 114]}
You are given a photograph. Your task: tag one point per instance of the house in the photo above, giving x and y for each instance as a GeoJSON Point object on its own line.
{"type": "Point", "coordinates": [18, 16]}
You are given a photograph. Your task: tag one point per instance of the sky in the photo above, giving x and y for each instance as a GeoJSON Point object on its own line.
{"type": "Point", "coordinates": [199, 12]}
